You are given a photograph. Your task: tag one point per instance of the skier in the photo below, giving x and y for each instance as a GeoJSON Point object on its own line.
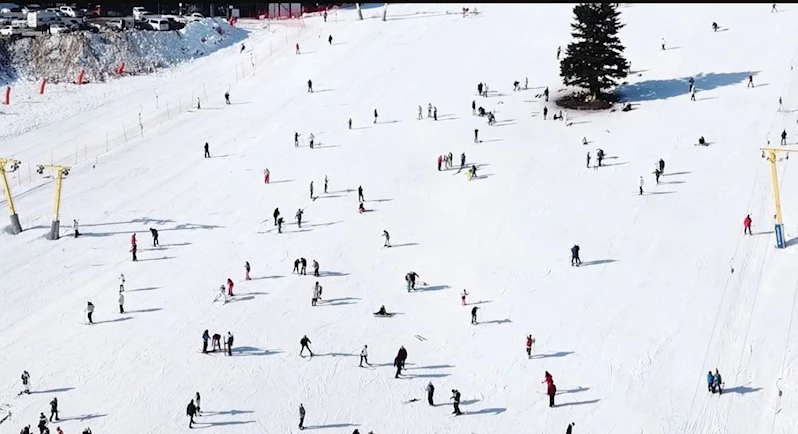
{"type": "Point", "coordinates": [197, 402]}
{"type": "Point", "coordinates": [526, 83]}
{"type": "Point", "coordinates": [463, 159]}
{"type": "Point", "coordinates": [575, 256]}
{"type": "Point", "coordinates": [316, 294]}
{"type": "Point", "coordinates": [476, 135]}
{"type": "Point", "coordinates": [587, 163]}
{"type": "Point", "coordinates": [350, 123]}
{"type": "Point", "coordinates": [486, 90]}
{"type": "Point", "coordinates": [42, 423]}
{"type": "Point", "coordinates": [599, 156]}
{"type": "Point", "coordinates": [246, 270]}
{"type": "Point", "coordinates": [198, 104]}
{"type": "Point", "coordinates": [663, 44]}
{"type": "Point", "coordinates": [546, 94]}
{"type": "Point", "coordinates": [299, 217]}
{"type": "Point", "coordinates": [387, 239]}
{"type": "Point", "coordinates": [310, 86]}
{"type": "Point", "coordinates": [435, 113]}
{"type": "Point", "coordinates": [207, 150]}
{"type": "Point", "coordinates": [474, 314]}
{"type": "Point", "coordinates": [25, 382]}
{"type": "Point", "coordinates": [473, 107]}
{"type": "Point", "coordinates": [304, 342]}
{"type": "Point", "coordinates": [121, 282]}
{"type": "Point", "coordinates": [710, 382]}
{"type": "Point", "coordinates": [402, 356]}
{"type": "Point", "coordinates": [449, 160]}
{"type": "Point", "coordinates": [297, 48]}
{"type": "Point", "coordinates": [311, 139]}
{"type": "Point", "coordinates": [191, 410]}
{"type": "Point", "coordinates": [657, 173]}
{"type": "Point", "coordinates": [702, 141]}
{"type": "Point", "coordinates": [154, 233]}
{"type": "Point", "coordinates": [330, 39]}
{"type": "Point", "coordinates": [364, 355]}
{"type": "Point", "coordinates": [216, 340]}
{"type": "Point", "coordinates": [545, 112]}
{"type": "Point", "coordinates": [360, 197]}
{"type": "Point", "coordinates": [529, 342]}
{"type": "Point", "coordinates": [784, 138]}
{"type": "Point", "coordinates": [750, 81]}
{"type": "Point", "coordinates": [121, 301]}
{"type": "Point", "coordinates": [375, 116]}
{"type": "Point", "coordinates": [315, 268]}
{"type": "Point", "coordinates": [661, 166]}
{"type": "Point", "coordinates": [276, 214]}
{"type": "Point", "coordinates": [222, 294]}
{"type": "Point", "coordinates": [430, 393]}
{"type": "Point", "coordinates": [25, 430]}
{"type": "Point", "coordinates": [456, 398]}
{"type": "Point", "coordinates": [440, 160]}
{"type": "Point", "coordinates": [473, 171]}
{"type": "Point", "coordinates": [324, 15]}
{"type": "Point", "coordinates": [397, 362]}
{"type": "Point", "coordinates": [230, 287]}
{"type": "Point", "coordinates": [410, 278]}
{"type": "Point", "coordinates": [304, 263]}
{"type": "Point", "coordinates": [75, 228]}
{"type": "Point", "coordinates": [54, 409]}
{"type": "Point", "coordinates": [325, 184]}
{"type": "Point", "coordinates": [774, 8]}
{"type": "Point", "coordinates": [691, 81]}
{"type": "Point", "coordinates": [717, 382]}
{"type": "Point", "coordinates": [382, 312]}
{"type": "Point", "coordinates": [429, 110]}
{"type": "Point", "coordinates": [692, 95]}
{"type": "Point", "coordinates": [90, 311]}
{"type": "Point", "coordinates": [781, 107]}
{"type": "Point", "coordinates": [296, 139]}
{"type": "Point", "coordinates": [301, 416]}
{"type": "Point", "coordinates": [229, 344]}
{"type": "Point", "coordinates": [133, 250]}
{"type": "Point", "coordinates": [227, 97]}
{"type": "Point", "coordinates": [360, 208]}
{"type": "Point", "coordinates": [296, 266]}
{"type": "Point", "coordinates": [463, 297]}
{"type": "Point", "coordinates": [640, 185]}
{"type": "Point", "coordinates": [747, 225]}
{"type": "Point", "coordinates": [516, 85]}
{"type": "Point", "coordinates": [551, 390]}
{"type": "Point", "coordinates": [243, 47]}
{"type": "Point", "coordinates": [205, 338]}
{"type": "Point", "coordinates": [479, 89]}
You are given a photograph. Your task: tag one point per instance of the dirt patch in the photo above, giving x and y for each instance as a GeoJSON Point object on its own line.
{"type": "Point", "coordinates": [580, 101]}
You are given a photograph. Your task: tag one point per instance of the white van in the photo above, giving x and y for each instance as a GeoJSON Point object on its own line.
{"type": "Point", "coordinates": [159, 24]}
{"type": "Point", "coordinates": [71, 12]}
{"type": "Point", "coordinates": [137, 11]}
{"type": "Point", "coordinates": [41, 20]}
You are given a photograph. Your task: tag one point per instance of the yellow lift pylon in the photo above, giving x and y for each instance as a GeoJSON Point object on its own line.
{"type": "Point", "coordinates": [772, 157]}
{"type": "Point", "coordinates": [60, 173]}
{"type": "Point", "coordinates": [16, 227]}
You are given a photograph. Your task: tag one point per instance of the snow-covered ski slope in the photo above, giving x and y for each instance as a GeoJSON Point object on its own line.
{"type": "Point", "coordinates": [628, 336]}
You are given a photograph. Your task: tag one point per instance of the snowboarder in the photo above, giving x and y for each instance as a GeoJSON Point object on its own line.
{"type": "Point", "coordinates": [784, 138]}
{"type": "Point", "coordinates": [456, 398]}
{"type": "Point", "coordinates": [304, 342]}
{"type": "Point", "coordinates": [301, 416]}
{"type": "Point", "coordinates": [330, 39]}
{"type": "Point", "coordinates": [230, 287]}
{"type": "Point", "coordinates": [315, 268]}
{"type": "Point", "coordinates": [227, 97]}
{"type": "Point", "coordinates": [640, 185]}
{"type": "Point", "coordinates": [375, 116]}
{"type": "Point", "coordinates": [133, 251]}
{"type": "Point", "coordinates": [243, 47]}
{"type": "Point", "coordinates": [575, 256]}
{"type": "Point", "coordinates": [205, 338]}
{"type": "Point", "coordinates": [382, 312]}
{"type": "Point", "coordinates": [90, 312]}
{"type": "Point", "coordinates": [299, 213]}
{"type": "Point", "coordinates": [54, 409]}
{"type": "Point", "coordinates": [304, 263]}
{"type": "Point", "coordinates": [474, 314]}
{"type": "Point", "coordinates": [360, 208]}
{"type": "Point", "coordinates": [229, 344]}
{"type": "Point", "coordinates": [747, 225]}
{"type": "Point", "coordinates": [387, 237]}
{"type": "Point", "coordinates": [75, 228]}
{"type": "Point", "coordinates": [121, 302]}
{"type": "Point", "coordinates": [692, 95]}
{"type": "Point", "coordinates": [364, 355]}
{"type": "Point", "coordinates": [430, 393]}
{"type": "Point", "coordinates": [197, 402]}
{"type": "Point", "coordinates": [25, 382]}
{"type": "Point", "coordinates": [191, 410]}
{"type": "Point", "coordinates": [750, 81]}
{"type": "Point", "coordinates": [246, 270]}
{"type": "Point", "coordinates": [476, 135]}
{"type": "Point", "coordinates": [587, 163]}
{"type": "Point", "coordinates": [310, 85]}
{"type": "Point", "coordinates": [360, 197]}
{"type": "Point", "coordinates": [529, 342]}
{"type": "Point", "coordinates": [463, 297]}
{"type": "Point", "coordinates": [154, 233]}
{"type": "Point", "coordinates": [296, 266]}
{"type": "Point", "coordinates": [207, 150]}
{"type": "Point", "coordinates": [516, 85]}
{"type": "Point", "coordinates": [702, 141]}
{"type": "Point", "coordinates": [325, 184]}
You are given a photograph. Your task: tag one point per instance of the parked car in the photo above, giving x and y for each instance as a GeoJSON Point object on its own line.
{"type": "Point", "coordinates": [41, 20]}
{"type": "Point", "coordinates": [71, 12]}
{"type": "Point", "coordinates": [158, 24]}
{"type": "Point", "coordinates": [31, 8]}
{"type": "Point", "coordinates": [10, 31]}
{"type": "Point", "coordinates": [56, 29]}
{"type": "Point", "coordinates": [20, 24]}
{"type": "Point", "coordinates": [120, 24]}
{"type": "Point", "coordinates": [138, 11]}
{"type": "Point", "coordinates": [196, 16]}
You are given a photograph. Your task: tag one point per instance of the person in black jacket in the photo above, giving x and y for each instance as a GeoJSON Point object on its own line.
{"type": "Point", "coordinates": [402, 355]}
{"type": "Point", "coordinates": [575, 256]}
{"type": "Point", "coordinates": [430, 393]}
{"type": "Point", "coordinates": [570, 428]}
{"type": "Point", "coordinates": [191, 410]}
{"type": "Point", "coordinates": [207, 150]}
{"type": "Point", "coordinates": [397, 362]}
{"type": "Point", "coordinates": [304, 270]}
{"type": "Point", "coordinates": [154, 233]}
{"type": "Point", "coordinates": [304, 342]}
{"type": "Point", "coordinates": [42, 423]}
{"type": "Point", "coordinates": [54, 409]}
{"type": "Point", "coordinates": [456, 398]}
{"type": "Point", "coordinates": [229, 344]}
{"type": "Point", "coordinates": [276, 214]}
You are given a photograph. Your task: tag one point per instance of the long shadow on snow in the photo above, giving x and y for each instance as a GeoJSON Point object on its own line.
{"type": "Point", "coordinates": [549, 355]}
{"type": "Point", "coordinates": [58, 390]}
{"type": "Point", "coordinates": [567, 404]}
{"type": "Point", "coordinates": [83, 417]}
{"type": "Point", "coordinates": [332, 425]}
{"type": "Point", "coordinates": [338, 301]}
{"type": "Point", "coordinates": [251, 351]}
{"type": "Point", "coordinates": [598, 262]}
{"type": "Point", "coordinates": [124, 318]}
{"type": "Point", "coordinates": [495, 411]}
{"type": "Point", "coordinates": [652, 90]}
{"type": "Point", "coordinates": [742, 390]}
{"type": "Point", "coordinates": [203, 424]}
{"type": "Point", "coordinates": [227, 412]}
{"type": "Point", "coordinates": [152, 309]}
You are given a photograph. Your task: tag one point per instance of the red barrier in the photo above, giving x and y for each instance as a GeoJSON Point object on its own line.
{"type": "Point", "coordinates": [41, 86]}
{"type": "Point", "coordinates": [120, 69]}
{"type": "Point", "coordinates": [7, 98]}
{"type": "Point", "coordinates": [80, 76]}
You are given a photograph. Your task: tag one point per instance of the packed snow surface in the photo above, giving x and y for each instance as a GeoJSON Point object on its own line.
{"type": "Point", "coordinates": [628, 336]}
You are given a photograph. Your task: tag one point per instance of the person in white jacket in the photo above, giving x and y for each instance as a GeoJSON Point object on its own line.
{"type": "Point", "coordinates": [90, 312]}
{"type": "Point", "coordinates": [316, 294]}
{"type": "Point", "coordinates": [76, 228]}
{"type": "Point", "coordinates": [121, 303]}
{"type": "Point", "coordinates": [122, 282]}
{"type": "Point", "coordinates": [640, 184]}
{"type": "Point", "coordinates": [364, 355]}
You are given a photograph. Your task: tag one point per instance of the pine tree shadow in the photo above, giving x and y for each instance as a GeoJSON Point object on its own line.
{"type": "Point", "coordinates": [653, 90]}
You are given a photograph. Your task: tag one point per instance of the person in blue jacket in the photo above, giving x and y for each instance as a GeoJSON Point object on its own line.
{"type": "Point", "coordinates": [717, 382]}
{"type": "Point", "coordinates": [710, 382]}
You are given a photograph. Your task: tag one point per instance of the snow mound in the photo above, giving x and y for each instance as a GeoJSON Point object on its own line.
{"type": "Point", "coordinates": [61, 57]}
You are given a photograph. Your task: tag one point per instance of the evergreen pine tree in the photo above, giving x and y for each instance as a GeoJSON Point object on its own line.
{"type": "Point", "coordinates": [594, 61]}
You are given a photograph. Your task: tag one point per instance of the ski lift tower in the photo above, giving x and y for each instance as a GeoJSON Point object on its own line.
{"type": "Point", "coordinates": [60, 173]}
{"type": "Point", "coordinates": [16, 227]}
{"type": "Point", "coordinates": [770, 154]}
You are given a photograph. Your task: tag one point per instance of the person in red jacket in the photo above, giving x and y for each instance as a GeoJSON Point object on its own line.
{"type": "Point", "coordinates": [551, 391]}
{"type": "Point", "coordinates": [133, 240]}
{"type": "Point", "coordinates": [229, 287]}
{"type": "Point", "coordinates": [440, 160]}
{"type": "Point", "coordinates": [529, 342]}
{"type": "Point", "coordinates": [747, 225]}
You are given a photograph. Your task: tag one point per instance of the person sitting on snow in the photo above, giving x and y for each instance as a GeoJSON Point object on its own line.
{"type": "Point", "coordinates": [361, 208]}
{"type": "Point", "coordinates": [382, 311]}
{"type": "Point", "coordinates": [701, 141]}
